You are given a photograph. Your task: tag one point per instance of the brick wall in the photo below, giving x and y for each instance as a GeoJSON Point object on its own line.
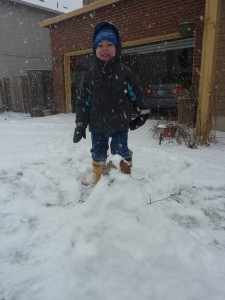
{"type": "Point", "coordinates": [135, 19]}
{"type": "Point", "coordinates": [219, 111]}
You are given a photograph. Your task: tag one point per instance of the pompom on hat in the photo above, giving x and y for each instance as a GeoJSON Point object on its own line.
{"type": "Point", "coordinates": [105, 31]}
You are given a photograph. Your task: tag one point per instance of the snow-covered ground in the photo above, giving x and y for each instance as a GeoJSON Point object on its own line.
{"type": "Point", "coordinates": [159, 235]}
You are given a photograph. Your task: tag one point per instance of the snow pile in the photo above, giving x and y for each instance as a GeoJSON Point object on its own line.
{"type": "Point", "coordinates": [156, 235]}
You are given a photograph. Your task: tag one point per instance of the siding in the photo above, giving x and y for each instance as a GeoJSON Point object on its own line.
{"type": "Point", "coordinates": [24, 45]}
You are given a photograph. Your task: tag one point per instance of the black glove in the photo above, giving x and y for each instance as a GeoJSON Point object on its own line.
{"type": "Point", "coordinates": [79, 133]}
{"type": "Point", "coordinates": [139, 121]}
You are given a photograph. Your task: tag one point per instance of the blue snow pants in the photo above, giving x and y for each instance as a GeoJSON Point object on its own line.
{"type": "Point", "coordinates": [118, 145]}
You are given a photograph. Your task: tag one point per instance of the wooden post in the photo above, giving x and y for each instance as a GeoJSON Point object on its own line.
{"type": "Point", "coordinates": [67, 83]}
{"type": "Point", "coordinates": [208, 66]}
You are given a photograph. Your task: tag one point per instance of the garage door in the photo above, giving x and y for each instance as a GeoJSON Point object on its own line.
{"type": "Point", "coordinates": [161, 67]}
{"type": "Point", "coordinates": [161, 63]}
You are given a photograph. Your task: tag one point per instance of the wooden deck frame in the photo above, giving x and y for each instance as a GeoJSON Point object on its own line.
{"type": "Point", "coordinates": [154, 39]}
{"type": "Point", "coordinates": [208, 68]}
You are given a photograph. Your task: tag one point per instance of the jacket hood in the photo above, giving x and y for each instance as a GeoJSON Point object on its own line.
{"type": "Point", "coordinates": [105, 25]}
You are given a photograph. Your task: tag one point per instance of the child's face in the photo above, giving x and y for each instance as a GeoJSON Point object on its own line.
{"type": "Point", "coordinates": [105, 50]}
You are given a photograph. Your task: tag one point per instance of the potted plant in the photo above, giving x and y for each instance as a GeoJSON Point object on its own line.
{"type": "Point", "coordinates": [48, 111]}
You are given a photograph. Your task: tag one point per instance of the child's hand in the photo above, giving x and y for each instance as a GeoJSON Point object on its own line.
{"type": "Point", "coordinates": [79, 133]}
{"type": "Point", "coordinates": [139, 121]}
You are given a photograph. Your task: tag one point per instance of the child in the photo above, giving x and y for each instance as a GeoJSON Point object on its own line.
{"type": "Point", "coordinates": [109, 90]}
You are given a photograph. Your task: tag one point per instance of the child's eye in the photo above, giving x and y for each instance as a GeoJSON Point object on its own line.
{"type": "Point", "coordinates": [104, 45]}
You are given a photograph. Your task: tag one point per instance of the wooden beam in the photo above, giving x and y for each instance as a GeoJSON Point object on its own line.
{"type": "Point", "coordinates": [208, 66]}
{"type": "Point", "coordinates": [164, 37]}
{"type": "Point", "coordinates": [134, 43]}
{"type": "Point", "coordinates": [67, 83]}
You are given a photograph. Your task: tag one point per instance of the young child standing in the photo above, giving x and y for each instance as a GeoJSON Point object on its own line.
{"type": "Point", "coordinates": [108, 93]}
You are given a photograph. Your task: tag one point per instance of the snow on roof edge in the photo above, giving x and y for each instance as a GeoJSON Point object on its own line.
{"type": "Point", "coordinates": [36, 6]}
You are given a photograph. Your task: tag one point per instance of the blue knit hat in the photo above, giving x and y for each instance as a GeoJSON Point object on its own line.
{"type": "Point", "coordinates": [105, 34]}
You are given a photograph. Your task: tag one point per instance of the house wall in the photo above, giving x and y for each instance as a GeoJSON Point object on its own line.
{"type": "Point", "coordinates": [24, 44]}
{"type": "Point", "coordinates": [219, 104]}
{"type": "Point", "coordinates": [134, 19]}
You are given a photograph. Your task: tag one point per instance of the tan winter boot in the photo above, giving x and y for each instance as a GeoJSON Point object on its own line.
{"type": "Point", "coordinates": [97, 169]}
{"type": "Point", "coordinates": [96, 173]}
{"type": "Point", "coordinates": [125, 166]}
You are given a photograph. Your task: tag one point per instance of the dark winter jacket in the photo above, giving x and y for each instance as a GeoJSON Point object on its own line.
{"type": "Point", "coordinates": [107, 94]}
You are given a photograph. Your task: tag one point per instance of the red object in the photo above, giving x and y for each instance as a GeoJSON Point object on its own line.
{"type": "Point", "coordinates": [47, 112]}
{"type": "Point", "coordinates": [178, 90]}
{"type": "Point", "coordinates": [170, 131]}
{"type": "Point", "coordinates": [73, 64]}
{"type": "Point", "coordinates": [148, 90]}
